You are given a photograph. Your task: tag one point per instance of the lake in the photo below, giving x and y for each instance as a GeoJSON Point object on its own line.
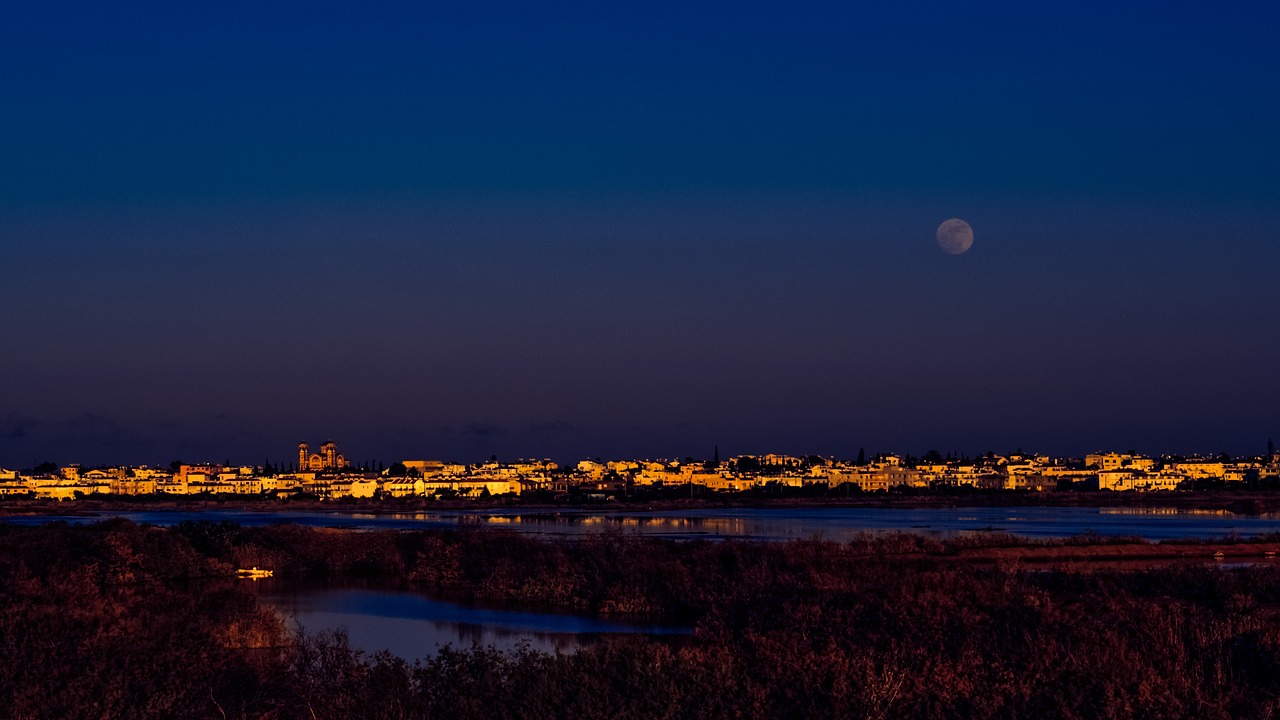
{"type": "Point", "coordinates": [831, 523]}
{"type": "Point", "coordinates": [415, 626]}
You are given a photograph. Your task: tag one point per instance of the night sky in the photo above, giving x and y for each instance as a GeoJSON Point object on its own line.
{"type": "Point", "coordinates": [636, 229]}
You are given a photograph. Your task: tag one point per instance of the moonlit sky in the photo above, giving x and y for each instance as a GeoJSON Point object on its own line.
{"type": "Point", "coordinates": [636, 229]}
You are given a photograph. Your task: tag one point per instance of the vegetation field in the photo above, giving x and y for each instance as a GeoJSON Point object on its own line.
{"type": "Point", "coordinates": [104, 621]}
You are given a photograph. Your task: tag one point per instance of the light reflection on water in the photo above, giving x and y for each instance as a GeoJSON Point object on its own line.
{"type": "Point", "coordinates": [415, 626]}
{"type": "Point", "coordinates": [773, 523]}
{"type": "Point", "coordinates": [1215, 512]}
{"type": "Point", "coordinates": [845, 523]}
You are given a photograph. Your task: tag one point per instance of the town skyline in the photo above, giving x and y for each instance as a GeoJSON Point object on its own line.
{"type": "Point", "coordinates": [328, 475]}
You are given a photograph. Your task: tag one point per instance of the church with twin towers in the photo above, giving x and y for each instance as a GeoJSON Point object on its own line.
{"type": "Point", "coordinates": [327, 459]}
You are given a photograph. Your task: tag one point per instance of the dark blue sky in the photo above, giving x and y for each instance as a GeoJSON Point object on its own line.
{"type": "Point", "coordinates": [636, 229]}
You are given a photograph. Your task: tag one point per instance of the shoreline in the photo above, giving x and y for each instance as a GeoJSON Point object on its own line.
{"type": "Point", "coordinates": [1238, 503]}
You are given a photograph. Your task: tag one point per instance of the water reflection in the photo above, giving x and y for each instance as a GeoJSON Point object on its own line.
{"type": "Point", "coordinates": [1164, 511]}
{"type": "Point", "coordinates": [415, 626]}
{"type": "Point", "coordinates": [845, 523]}
{"type": "Point", "coordinates": [831, 523]}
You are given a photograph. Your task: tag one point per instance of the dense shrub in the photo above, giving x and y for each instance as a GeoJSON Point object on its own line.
{"type": "Point", "coordinates": [104, 621]}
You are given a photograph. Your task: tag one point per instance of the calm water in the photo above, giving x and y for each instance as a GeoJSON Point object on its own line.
{"type": "Point", "coordinates": [830, 523]}
{"type": "Point", "coordinates": [415, 626]}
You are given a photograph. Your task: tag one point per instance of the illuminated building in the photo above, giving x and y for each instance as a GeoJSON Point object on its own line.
{"type": "Point", "coordinates": [327, 459]}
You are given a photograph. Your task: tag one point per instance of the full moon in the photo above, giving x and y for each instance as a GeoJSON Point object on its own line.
{"type": "Point", "coordinates": [955, 236]}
